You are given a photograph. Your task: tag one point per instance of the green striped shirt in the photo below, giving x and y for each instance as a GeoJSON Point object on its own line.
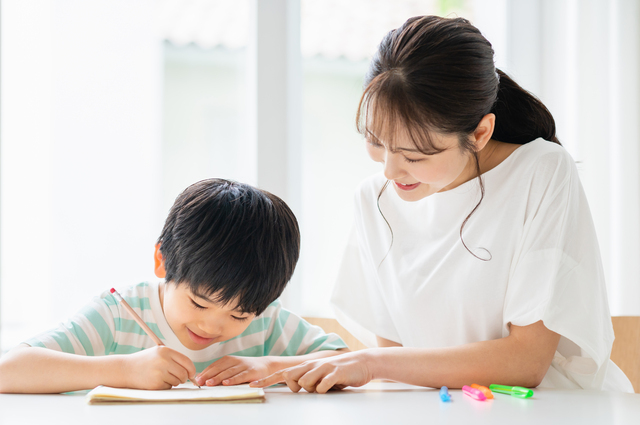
{"type": "Point", "coordinates": [103, 327]}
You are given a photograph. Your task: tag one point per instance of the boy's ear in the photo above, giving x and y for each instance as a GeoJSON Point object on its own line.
{"type": "Point", "coordinates": [159, 263]}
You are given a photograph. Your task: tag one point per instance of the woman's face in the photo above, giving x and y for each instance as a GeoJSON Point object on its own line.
{"type": "Point", "coordinates": [415, 175]}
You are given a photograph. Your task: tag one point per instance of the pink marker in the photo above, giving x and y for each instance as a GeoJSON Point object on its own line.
{"type": "Point", "coordinates": [473, 393]}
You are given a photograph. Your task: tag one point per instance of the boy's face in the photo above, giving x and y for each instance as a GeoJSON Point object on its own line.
{"type": "Point", "coordinates": [199, 322]}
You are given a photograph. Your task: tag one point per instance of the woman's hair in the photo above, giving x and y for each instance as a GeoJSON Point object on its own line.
{"type": "Point", "coordinates": [437, 74]}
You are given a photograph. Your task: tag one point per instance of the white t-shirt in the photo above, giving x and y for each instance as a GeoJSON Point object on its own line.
{"type": "Point", "coordinates": [426, 290]}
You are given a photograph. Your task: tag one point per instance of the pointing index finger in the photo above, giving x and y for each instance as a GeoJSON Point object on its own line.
{"type": "Point", "coordinates": [272, 379]}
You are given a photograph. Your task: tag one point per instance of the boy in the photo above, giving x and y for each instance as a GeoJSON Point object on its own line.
{"type": "Point", "coordinates": [226, 253]}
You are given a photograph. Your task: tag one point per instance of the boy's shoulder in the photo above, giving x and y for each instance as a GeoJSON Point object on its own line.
{"type": "Point", "coordinates": [272, 310]}
{"type": "Point", "coordinates": [143, 298]}
{"type": "Point", "coordinates": [138, 293]}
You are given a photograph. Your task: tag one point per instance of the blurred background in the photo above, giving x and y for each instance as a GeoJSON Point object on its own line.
{"type": "Point", "coordinates": [110, 108]}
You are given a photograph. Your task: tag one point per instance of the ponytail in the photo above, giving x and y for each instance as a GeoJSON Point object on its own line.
{"type": "Point", "coordinates": [520, 116]}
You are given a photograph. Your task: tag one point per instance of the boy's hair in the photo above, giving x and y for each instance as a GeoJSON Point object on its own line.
{"type": "Point", "coordinates": [229, 241]}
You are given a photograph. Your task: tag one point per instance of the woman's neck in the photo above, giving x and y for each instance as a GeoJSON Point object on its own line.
{"type": "Point", "coordinates": [489, 157]}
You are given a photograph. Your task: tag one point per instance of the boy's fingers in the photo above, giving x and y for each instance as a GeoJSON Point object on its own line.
{"type": "Point", "coordinates": [172, 379]}
{"type": "Point", "coordinates": [213, 369]}
{"type": "Point", "coordinates": [185, 362]}
{"type": "Point", "coordinates": [240, 378]}
{"type": "Point", "coordinates": [179, 372]}
{"type": "Point", "coordinates": [228, 373]}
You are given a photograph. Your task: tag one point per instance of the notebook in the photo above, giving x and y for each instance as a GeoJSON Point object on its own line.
{"type": "Point", "coordinates": [185, 393]}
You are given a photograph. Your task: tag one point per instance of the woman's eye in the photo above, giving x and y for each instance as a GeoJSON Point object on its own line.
{"type": "Point", "coordinates": [374, 143]}
{"type": "Point", "coordinates": [413, 160]}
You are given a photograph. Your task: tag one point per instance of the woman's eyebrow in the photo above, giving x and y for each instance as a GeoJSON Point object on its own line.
{"type": "Point", "coordinates": [419, 151]}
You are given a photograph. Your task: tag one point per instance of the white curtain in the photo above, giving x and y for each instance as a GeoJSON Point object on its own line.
{"type": "Point", "coordinates": [582, 59]}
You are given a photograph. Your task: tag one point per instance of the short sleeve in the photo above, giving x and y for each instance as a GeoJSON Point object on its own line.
{"type": "Point", "coordinates": [89, 332]}
{"type": "Point", "coordinates": [357, 300]}
{"type": "Point", "coordinates": [557, 274]}
{"type": "Point", "coordinates": [290, 335]}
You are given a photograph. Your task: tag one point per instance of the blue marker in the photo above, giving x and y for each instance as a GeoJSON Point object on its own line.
{"type": "Point", "coordinates": [444, 394]}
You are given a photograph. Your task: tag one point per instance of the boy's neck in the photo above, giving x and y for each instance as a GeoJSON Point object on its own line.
{"type": "Point", "coordinates": [161, 295]}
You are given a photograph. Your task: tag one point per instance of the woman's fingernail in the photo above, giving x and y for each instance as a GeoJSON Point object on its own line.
{"type": "Point", "coordinates": [225, 382]}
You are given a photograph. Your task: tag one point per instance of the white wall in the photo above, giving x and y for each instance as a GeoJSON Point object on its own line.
{"type": "Point", "coordinates": [81, 110]}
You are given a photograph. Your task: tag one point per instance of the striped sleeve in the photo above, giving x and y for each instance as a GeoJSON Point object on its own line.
{"type": "Point", "coordinates": [291, 335]}
{"type": "Point", "coordinates": [89, 332]}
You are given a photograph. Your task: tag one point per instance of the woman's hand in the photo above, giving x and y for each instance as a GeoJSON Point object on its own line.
{"type": "Point", "coordinates": [350, 369]}
{"type": "Point", "coordinates": [233, 370]}
{"type": "Point", "coordinates": [157, 368]}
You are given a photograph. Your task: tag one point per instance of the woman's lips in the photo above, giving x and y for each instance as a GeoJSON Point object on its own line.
{"type": "Point", "coordinates": [198, 339]}
{"type": "Point", "coordinates": [407, 186]}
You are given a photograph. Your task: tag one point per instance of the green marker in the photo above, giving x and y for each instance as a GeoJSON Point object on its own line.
{"type": "Point", "coordinates": [519, 392]}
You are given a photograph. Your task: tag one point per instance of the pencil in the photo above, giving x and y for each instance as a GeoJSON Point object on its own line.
{"type": "Point", "coordinates": [142, 324]}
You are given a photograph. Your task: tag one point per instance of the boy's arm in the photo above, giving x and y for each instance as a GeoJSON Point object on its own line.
{"type": "Point", "coordinates": [27, 369]}
{"type": "Point", "coordinates": [235, 370]}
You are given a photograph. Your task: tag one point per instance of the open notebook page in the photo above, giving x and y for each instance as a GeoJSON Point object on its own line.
{"type": "Point", "coordinates": [183, 393]}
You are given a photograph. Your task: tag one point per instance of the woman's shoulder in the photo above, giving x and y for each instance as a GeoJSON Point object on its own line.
{"type": "Point", "coordinates": [545, 150]}
{"type": "Point", "coordinates": [540, 159]}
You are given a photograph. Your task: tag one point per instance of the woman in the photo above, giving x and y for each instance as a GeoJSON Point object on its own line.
{"type": "Point", "coordinates": [474, 257]}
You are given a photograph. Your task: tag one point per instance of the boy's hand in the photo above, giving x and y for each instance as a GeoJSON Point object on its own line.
{"type": "Point", "coordinates": [157, 368]}
{"type": "Point", "coordinates": [232, 370]}
{"type": "Point", "coordinates": [322, 375]}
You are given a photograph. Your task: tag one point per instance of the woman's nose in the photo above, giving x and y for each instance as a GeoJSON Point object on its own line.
{"type": "Point", "coordinates": [392, 168]}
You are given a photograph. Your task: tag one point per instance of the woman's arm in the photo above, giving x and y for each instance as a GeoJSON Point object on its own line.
{"type": "Point", "coordinates": [27, 369]}
{"type": "Point", "coordinates": [522, 358]}
{"type": "Point", "coordinates": [283, 362]}
{"type": "Point", "coordinates": [235, 370]}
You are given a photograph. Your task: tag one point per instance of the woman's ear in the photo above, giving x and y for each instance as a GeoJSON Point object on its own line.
{"type": "Point", "coordinates": [484, 131]}
{"type": "Point", "coordinates": [159, 262]}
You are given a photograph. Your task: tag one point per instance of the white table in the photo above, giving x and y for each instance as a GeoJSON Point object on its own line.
{"type": "Point", "coordinates": [375, 403]}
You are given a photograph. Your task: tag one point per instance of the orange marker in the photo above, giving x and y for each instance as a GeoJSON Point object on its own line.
{"type": "Point", "coordinates": [486, 391]}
